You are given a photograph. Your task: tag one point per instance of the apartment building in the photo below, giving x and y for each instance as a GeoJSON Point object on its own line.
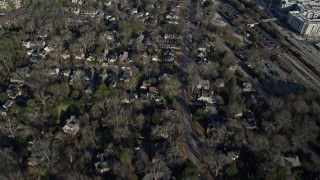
{"type": "Point", "coordinates": [304, 17]}
{"type": "Point", "coordinates": [302, 23]}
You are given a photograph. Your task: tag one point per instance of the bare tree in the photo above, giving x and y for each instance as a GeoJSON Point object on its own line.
{"type": "Point", "coordinates": [306, 130]}
{"type": "Point", "coordinates": [193, 76]}
{"type": "Point", "coordinates": [218, 135]}
{"type": "Point", "coordinates": [8, 126]}
{"type": "Point", "coordinates": [8, 162]}
{"type": "Point", "coordinates": [172, 87]}
{"type": "Point", "coordinates": [87, 39]}
{"type": "Point", "coordinates": [300, 106]}
{"type": "Point", "coordinates": [159, 170]}
{"type": "Point", "coordinates": [44, 152]}
{"type": "Point", "coordinates": [216, 161]}
{"type": "Point", "coordinates": [259, 142]}
{"type": "Point", "coordinates": [283, 119]}
{"type": "Point", "coordinates": [276, 103]}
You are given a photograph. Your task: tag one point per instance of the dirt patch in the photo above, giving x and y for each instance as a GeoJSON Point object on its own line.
{"type": "Point", "coordinates": [218, 20]}
{"type": "Point", "coordinates": [181, 149]}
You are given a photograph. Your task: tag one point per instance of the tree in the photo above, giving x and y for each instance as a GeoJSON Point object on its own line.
{"type": "Point", "coordinates": [254, 38]}
{"type": "Point", "coordinates": [283, 119]}
{"type": "Point", "coordinates": [95, 111]}
{"type": "Point", "coordinates": [44, 152]}
{"type": "Point", "coordinates": [159, 167]}
{"type": "Point", "coordinates": [209, 70]}
{"type": "Point", "coordinates": [101, 92]}
{"type": "Point", "coordinates": [216, 161]}
{"type": "Point", "coordinates": [217, 136]}
{"type": "Point", "coordinates": [3, 97]}
{"type": "Point", "coordinates": [125, 157]}
{"type": "Point", "coordinates": [156, 118]}
{"type": "Point", "coordinates": [9, 127]}
{"type": "Point", "coordinates": [140, 119]}
{"type": "Point", "coordinates": [171, 87]}
{"type": "Point", "coordinates": [276, 103]}
{"type": "Point", "coordinates": [189, 170]}
{"type": "Point", "coordinates": [232, 170]}
{"type": "Point", "coordinates": [87, 40]}
{"type": "Point", "coordinates": [193, 76]}
{"type": "Point", "coordinates": [300, 106]}
{"type": "Point", "coordinates": [8, 161]}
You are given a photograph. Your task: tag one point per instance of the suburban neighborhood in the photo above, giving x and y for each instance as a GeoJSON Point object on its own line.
{"type": "Point", "coordinates": [161, 89]}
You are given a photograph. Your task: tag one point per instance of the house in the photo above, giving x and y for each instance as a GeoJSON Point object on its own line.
{"type": "Point", "coordinates": [101, 164]}
{"type": "Point", "coordinates": [30, 51]}
{"type": "Point", "coordinates": [172, 16]}
{"type": "Point", "coordinates": [8, 104]}
{"type": "Point", "coordinates": [140, 38]}
{"type": "Point", "coordinates": [145, 85]}
{"type": "Point", "coordinates": [232, 68]}
{"type": "Point", "coordinates": [48, 49]}
{"type": "Point", "coordinates": [20, 75]}
{"type": "Point", "coordinates": [247, 87]}
{"type": "Point", "coordinates": [218, 100]}
{"type": "Point", "coordinates": [155, 58]}
{"type": "Point", "coordinates": [4, 4]}
{"type": "Point", "coordinates": [112, 78]}
{"type": "Point", "coordinates": [90, 59]}
{"type": "Point", "coordinates": [164, 77]}
{"type": "Point", "coordinates": [13, 90]}
{"type": "Point", "coordinates": [34, 45]}
{"type": "Point", "coordinates": [124, 56]}
{"type": "Point", "coordinates": [248, 120]}
{"type": "Point", "coordinates": [204, 84]}
{"type": "Point", "coordinates": [134, 11]}
{"type": "Point", "coordinates": [65, 55]}
{"type": "Point", "coordinates": [112, 58]}
{"type": "Point", "coordinates": [171, 45]}
{"type": "Point", "coordinates": [3, 111]}
{"type": "Point", "coordinates": [219, 83]}
{"type": "Point", "coordinates": [71, 126]}
{"type": "Point", "coordinates": [168, 58]}
{"type": "Point", "coordinates": [151, 22]}
{"type": "Point", "coordinates": [129, 97]}
{"type": "Point", "coordinates": [173, 22]}
{"type": "Point", "coordinates": [290, 161]}
{"type": "Point", "coordinates": [233, 155]}
{"type": "Point", "coordinates": [171, 36]}
{"type": "Point", "coordinates": [145, 95]}
{"type": "Point", "coordinates": [65, 72]}
{"type": "Point", "coordinates": [77, 1]}
{"type": "Point", "coordinates": [205, 96]}
{"type": "Point", "coordinates": [160, 100]}
{"type": "Point", "coordinates": [53, 72]}
{"type": "Point", "coordinates": [91, 13]}
{"type": "Point", "coordinates": [124, 74]}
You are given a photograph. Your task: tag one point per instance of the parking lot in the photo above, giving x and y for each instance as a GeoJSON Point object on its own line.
{"type": "Point", "coordinates": [271, 70]}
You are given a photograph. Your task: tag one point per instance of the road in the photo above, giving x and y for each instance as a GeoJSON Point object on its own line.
{"type": "Point", "coordinates": [191, 143]}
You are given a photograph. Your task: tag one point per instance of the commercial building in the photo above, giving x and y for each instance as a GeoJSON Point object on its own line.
{"type": "Point", "coordinates": [304, 17]}
{"type": "Point", "coordinates": [303, 24]}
